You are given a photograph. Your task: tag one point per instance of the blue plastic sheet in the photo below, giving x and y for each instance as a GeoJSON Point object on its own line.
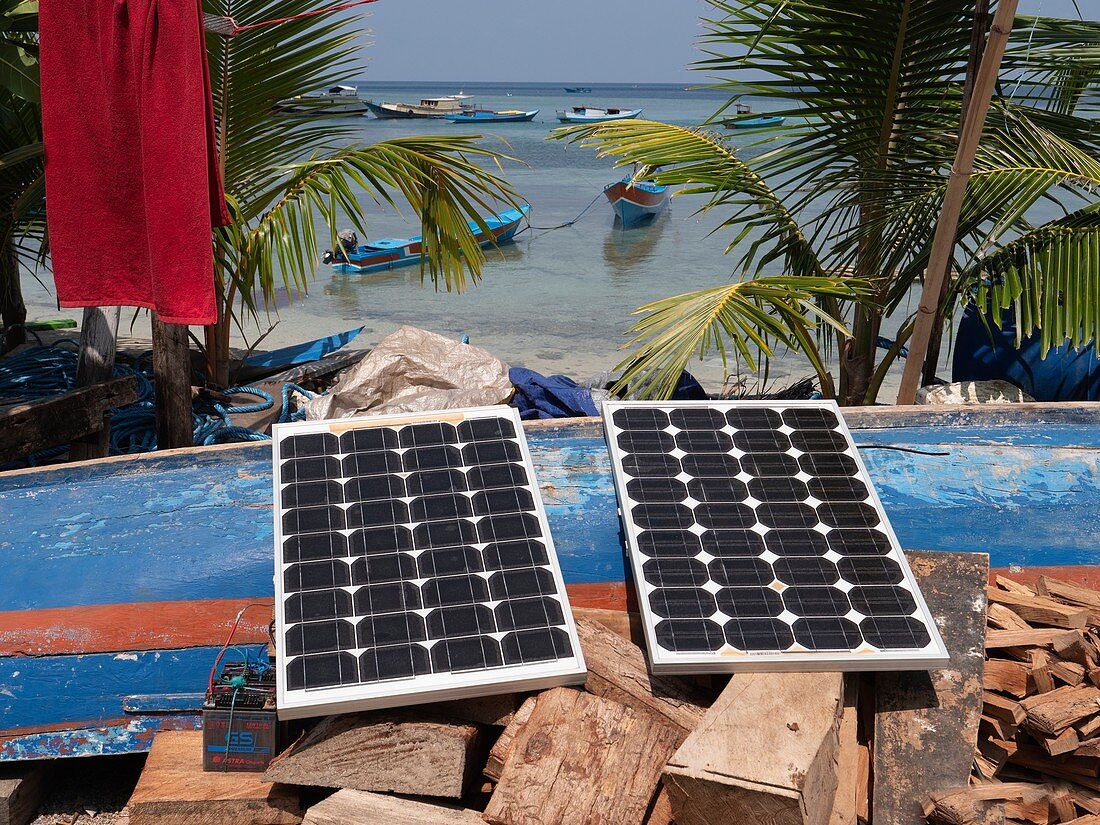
{"type": "Point", "coordinates": [549, 396]}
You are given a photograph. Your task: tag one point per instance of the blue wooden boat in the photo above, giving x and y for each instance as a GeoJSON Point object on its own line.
{"type": "Point", "coordinates": [758, 122]}
{"type": "Point", "coordinates": [123, 576]}
{"type": "Point", "coordinates": [578, 90]}
{"type": "Point", "coordinates": [638, 202]}
{"type": "Point", "coordinates": [489, 116]}
{"type": "Point", "coordinates": [389, 253]}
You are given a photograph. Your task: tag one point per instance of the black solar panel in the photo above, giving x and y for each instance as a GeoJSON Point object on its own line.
{"type": "Point", "coordinates": [414, 563]}
{"type": "Point", "coordinates": [757, 541]}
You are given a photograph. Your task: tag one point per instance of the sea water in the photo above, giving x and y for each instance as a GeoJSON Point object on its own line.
{"type": "Point", "coordinates": [556, 301]}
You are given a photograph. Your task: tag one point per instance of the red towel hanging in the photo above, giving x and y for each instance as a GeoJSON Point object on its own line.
{"type": "Point", "coordinates": [132, 180]}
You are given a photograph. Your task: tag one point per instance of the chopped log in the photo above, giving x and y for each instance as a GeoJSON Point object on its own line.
{"type": "Point", "coordinates": [1007, 676]}
{"type": "Point", "coordinates": [1078, 769]}
{"type": "Point", "coordinates": [498, 755]}
{"type": "Point", "coordinates": [1053, 717]}
{"type": "Point", "coordinates": [392, 751]}
{"type": "Point", "coordinates": [626, 623]}
{"type": "Point", "coordinates": [1039, 610]}
{"type": "Point", "coordinates": [22, 786]}
{"type": "Point", "coordinates": [1061, 804]}
{"type": "Point", "coordinates": [1074, 647]}
{"type": "Point", "coordinates": [917, 712]}
{"type": "Point", "coordinates": [960, 809]}
{"type": "Point", "coordinates": [1001, 707]}
{"type": "Point", "coordinates": [582, 759]}
{"type": "Point", "coordinates": [766, 751]}
{"type": "Point", "coordinates": [1013, 586]}
{"type": "Point", "coordinates": [1071, 593]}
{"type": "Point", "coordinates": [617, 670]}
{"type": "Point", "coordinates": [1088, 728]}
{"type": "Point", "coordinates": [1085, 820]}
{"type": "Point", "coordinates": [1039, 671]}
{"type": "Point", "coordinates": [863, 784]}
{"type": "Point", "coordinates": [1003, 618]}
{"type": "Point", "coordinates": [1021, 638]}
{"type": "Point", "coordinates": [661, 812]}
{"type": "Point", "coordinates": [847, 769]}
{"type": "Point", "coordinates": [1065, 742]}
{"type": "Point", "coordinates": [994, 728]}
{"type": "Point", "coordinates": [484, 710]}
{"type": "Point", "coordinates": [38, 425]}
{"type": "Point", "coordinates": [175, 790]}
{"type": "Point", "coordinates": [350, 807]}
{"type": "Point", "coordinates": [997, 752]}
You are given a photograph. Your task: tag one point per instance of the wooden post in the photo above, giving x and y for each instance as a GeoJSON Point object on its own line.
{"type": "Point", "coordinates": [98, 340]}
{"type": "Point", "coordinates": [172, 377]}
{"type": "Point", "coordinates": [943, 245]}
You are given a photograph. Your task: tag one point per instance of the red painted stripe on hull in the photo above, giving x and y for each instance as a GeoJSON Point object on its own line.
{"type": "Point", "coordinates": [174, 625]}
{"type": "Point", "coordinates": [641, 197]}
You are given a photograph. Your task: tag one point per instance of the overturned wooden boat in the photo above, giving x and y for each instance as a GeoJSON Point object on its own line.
{"type": "Point", "coordinates": [388, 253]}
{"type": "Point", "coordinates": [125, 574]}
{"type": "Point", "coordinates": [636, 202]}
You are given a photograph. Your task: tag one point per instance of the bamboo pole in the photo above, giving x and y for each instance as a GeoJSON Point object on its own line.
{"type": "Point", "coordinates": [943, 244]}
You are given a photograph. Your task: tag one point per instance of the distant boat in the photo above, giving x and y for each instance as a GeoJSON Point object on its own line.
{"type": "Point", "coordinates": [390, 253]}
{"type": "Point", "coordinates": [428, 107]}
{"type": "Point", "coordinates": [489, 116]}
{"type": "Point", "coordinates": [592, 114]}
{"type": "Point", "coordinates": [338, 101]}
{"type": "Point", "coordinates": [578, 90]}
{"type": "Point", "coordinates": [637, 203]}
{"type": "Point", "coordinates": [758, 122]}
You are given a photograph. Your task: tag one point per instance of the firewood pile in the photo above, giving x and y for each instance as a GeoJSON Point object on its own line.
{"type": "Point", "coordinates": [1038, 758]}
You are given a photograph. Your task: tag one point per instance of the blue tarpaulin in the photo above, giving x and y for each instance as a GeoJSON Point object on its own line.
{"type": "Point", "coordinates": [1065, 374]}
{"type": "Point", "coordinates": [549, 396]}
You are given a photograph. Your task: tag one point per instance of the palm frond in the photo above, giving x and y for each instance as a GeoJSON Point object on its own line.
{"type": "Point", "coordinates": [1050, 277]}
{"type": "Point", "coordinates": [740, 319]}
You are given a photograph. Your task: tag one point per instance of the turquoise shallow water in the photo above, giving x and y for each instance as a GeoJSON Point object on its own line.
{"type": "Point", "coordinates": [557, 301]}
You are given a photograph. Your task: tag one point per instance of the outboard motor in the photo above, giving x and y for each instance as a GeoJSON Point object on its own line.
{"type": "Point", "coordinates": [349, 242]}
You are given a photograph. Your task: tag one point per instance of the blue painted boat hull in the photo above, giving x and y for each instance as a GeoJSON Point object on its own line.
{"type": "Point", "coordinates": [755, 122]}
{"type": "Point", "coordinates": [494, 117]}
{"type": "Point", "coordinates": [637, 204]}
{"type": "Point", "coordinates": [122, 575]}
{"type": "Point", "coordinates": [391, 253]}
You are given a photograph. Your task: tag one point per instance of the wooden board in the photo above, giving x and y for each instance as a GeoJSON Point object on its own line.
{"type": "Point", "coordinates": [845, 804]}
{"type": "Point", "coordinates": [766, 751]}
{"type": "Point", "coordinates": [617, 670]}
{"type": "Point", "coordinates": [926, 724]}
{"type": "Point", "coordinates": [391, 751]}
{"type": "Point", "coordinates": [37, 425]}
{"type": "Point", "coordinates": [498, 755]}
{"type": "Point", "coordinates": [582, 760]}
{"type": "Point", "coordinates": [21, 790]}
{"type": "Point", "coordinates": [174, 790]}
{"type": "Point", "coordinates": [626, 623]}
{"type": "Point", "coordinates": [350, 807]}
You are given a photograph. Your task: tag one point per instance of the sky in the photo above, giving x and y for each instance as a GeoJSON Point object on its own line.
{"type": "Point", "coordinates": [555, 41]}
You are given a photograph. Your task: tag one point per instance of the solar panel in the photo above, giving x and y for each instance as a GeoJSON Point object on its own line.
{"type": "Point", "coordinates": [413, 564]}
{"type": "Point", "coordinates": [757, 541]}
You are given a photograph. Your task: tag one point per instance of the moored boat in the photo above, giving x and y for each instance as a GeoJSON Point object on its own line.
{"type": "Point", "coordinates": [490, 116]}
{"type": "Point", "coordinates": [389, 253]}
{"type": "Point", "coordinates": [594, 114]}
{"type": "Point", "coordinates": [125, 574]}
{"type": "Point", "coordinates": [578, 90]}
{"type": "Point", "coordinates": [338, 101]}
{"type": "Point", "coordinates": [428, 107]}
{"type": "Point", "coordinates": [637, 202]}
{"type": "Point", "coordinates": [756, 122]}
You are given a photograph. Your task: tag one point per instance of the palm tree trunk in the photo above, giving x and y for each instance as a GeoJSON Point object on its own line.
{"type": "Point", "coordinates": [13, 312]}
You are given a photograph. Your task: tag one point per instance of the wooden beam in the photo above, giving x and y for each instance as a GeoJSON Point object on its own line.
{"type": "Point", "coordinates": [408, 752]}
{"type": "Point", "coordinates": [498, 755]}
{"type": "Point", "coordinates": [943, 244]}
{"type": "Point", "coordinates": [37, 425]}
{"type": "Point", "coordinates": [845, 804]}
{"type": "Point", "coordinates": [766, 751]}
{"type": "Point", "coordinates": [175, 790]}
{"type": "Point", "coordinates": [172, 384]}
{"type": "Point", "coordinates": [95, 364]}
{"type": "Point", "coordinates": [22, 786]}
{"type": "Point", "coordinates": [350, 807]}
{"type": "Point", "coordinates": [582, 759]}
{"type": "Point", "coordinates": [919, 713]}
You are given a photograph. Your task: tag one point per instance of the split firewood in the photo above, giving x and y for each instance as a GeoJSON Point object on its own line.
{"type": "Point", "coordinates": [1039, 610]}
{"type": "Point", "coordinates": [498, 755]}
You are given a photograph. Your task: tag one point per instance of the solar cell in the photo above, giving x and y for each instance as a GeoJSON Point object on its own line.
{"type": "Point", "coordinates": [757, 541]}
{"type": "Point", "coordinates": [414, 563]}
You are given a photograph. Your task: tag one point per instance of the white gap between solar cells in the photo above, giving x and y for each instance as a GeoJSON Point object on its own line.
{"type": "Point", "coordinates": [725, 655]}
{"type": "Point", "coordinates": [300, 700]}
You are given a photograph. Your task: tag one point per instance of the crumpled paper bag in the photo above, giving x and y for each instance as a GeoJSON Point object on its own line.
{"type": "Point", "coordinates": [414, 370]}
